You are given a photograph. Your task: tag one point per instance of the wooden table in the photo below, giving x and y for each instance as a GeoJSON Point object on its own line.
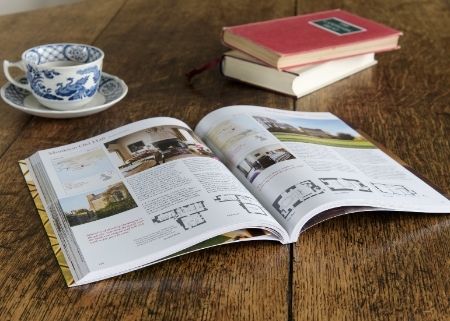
{"type": "Point", "coordinates": [378, 266]}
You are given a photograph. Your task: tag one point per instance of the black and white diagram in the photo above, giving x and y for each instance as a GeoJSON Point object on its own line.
{"type": "Point", "coordinates": [247, 203]}
{"type": "Point", "coordinates": [295, 195]}
{"type": "Point", "coordinates": [337, 184]}
{"type": "Point", "coordinates": [83, 171]}
{"type": "Point", "coordinates": [394, 190]}
{"type": "Point", "coordinates": [260, 138]}
{"type": "Point", "coordinates": [188, 216]}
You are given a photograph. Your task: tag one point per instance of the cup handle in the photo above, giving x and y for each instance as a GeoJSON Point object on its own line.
{"type": "Point", "coordinates": [18, 64]}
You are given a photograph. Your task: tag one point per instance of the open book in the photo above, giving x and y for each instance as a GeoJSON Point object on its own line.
{"type": "Point", "coordinates": [155, 188]}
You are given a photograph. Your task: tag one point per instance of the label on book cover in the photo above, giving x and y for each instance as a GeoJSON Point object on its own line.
{"type": "Point", "coordinates": [337, 26]}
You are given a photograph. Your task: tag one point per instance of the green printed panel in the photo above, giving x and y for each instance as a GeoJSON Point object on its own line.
{"type": "Point", "coordinates": [337, 26]}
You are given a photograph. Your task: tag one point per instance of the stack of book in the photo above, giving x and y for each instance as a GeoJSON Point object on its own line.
{"type": "Point", "coordinates": [298, 55]}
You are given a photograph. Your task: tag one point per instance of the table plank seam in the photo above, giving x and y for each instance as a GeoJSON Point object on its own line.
{"type": "Point", "coordinates": [109, 22]}
{"type": "Point", "coordinates": [15, 138]}
{"type": "Point", "coordinates": [290, 289]}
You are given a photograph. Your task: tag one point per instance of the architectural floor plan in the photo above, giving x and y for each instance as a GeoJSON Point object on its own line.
{"type": "Point", "coordinates": [286, 202]}
{"type": "Point", "coordinates": [393, 190]}
{"type": "Point", "coordinates": [337, 184]}
{"type": "Point", "coordinates": [247, 203]}
{"type": "Point", "coordinates": [188, 216]}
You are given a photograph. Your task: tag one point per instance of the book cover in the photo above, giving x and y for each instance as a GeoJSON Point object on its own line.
{"type": "Point", "coordinates": [308, 33]}
{"type": "Point", "coordinates": [296, 82]}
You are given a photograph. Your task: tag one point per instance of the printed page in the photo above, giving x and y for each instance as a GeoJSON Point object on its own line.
{"type": "Point", "coordinates": [299, 164]}
{"type": "Point", "coordinates": [145, 191]}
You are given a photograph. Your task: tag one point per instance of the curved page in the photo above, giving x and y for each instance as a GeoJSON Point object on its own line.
{"type": "Point", "coordinates": [138, 194]}
{"type": "Point", "coordinates": [300, 164]}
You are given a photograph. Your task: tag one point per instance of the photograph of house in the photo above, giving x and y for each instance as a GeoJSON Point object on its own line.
{"type": "Point", "coordinates": [260, 159]}
{"type": "Point", "coordinates": [98, 204]}
{"type": "Point", "coordinates": [327, 131]}
{"type": "Point", "coordinates": [273, 125]}
{"type": "Point", "coordinates": [154, 146]}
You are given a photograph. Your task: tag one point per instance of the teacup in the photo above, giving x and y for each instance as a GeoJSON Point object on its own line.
{"type": "Point", "coordinates": [61, 76]}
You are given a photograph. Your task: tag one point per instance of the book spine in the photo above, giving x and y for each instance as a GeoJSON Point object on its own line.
{"type": "Point", "coordinates": [56, 247]}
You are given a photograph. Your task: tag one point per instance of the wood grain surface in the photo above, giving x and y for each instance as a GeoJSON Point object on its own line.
{"type": "Point", "coordinates": [386, 266]}
{"type": "Point", "coordinates": [379, 266]}
{"type": "Point", "coordinates": [78, 23]}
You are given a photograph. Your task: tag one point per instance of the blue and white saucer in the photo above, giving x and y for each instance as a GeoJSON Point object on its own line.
{"type": "Point", "coordinates": [111, 90]}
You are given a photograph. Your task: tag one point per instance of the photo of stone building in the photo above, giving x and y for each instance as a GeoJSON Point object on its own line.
{"type": "Point", "coordinates": [322, 131]}
{"type": "Point", "coordinates": [98, 204]}
{"type": "Point", "coordinates": [279, 126]}
{"type": "Point", "coordinates": [113, 194]}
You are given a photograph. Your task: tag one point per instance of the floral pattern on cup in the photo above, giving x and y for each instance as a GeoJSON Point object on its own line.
{"type": "Point", "coordinates": [76, 53]}
{"type": "Point", "coordinates": [70, 88]}
{"type": "Point", "coordinates": [61, 76]}
{"type": "Point", "coordinates": [109, 87]}
{"type": "Point", "coordinates": [60, 52]}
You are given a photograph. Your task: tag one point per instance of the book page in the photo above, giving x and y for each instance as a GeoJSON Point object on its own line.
{"type": "Point", "coordinates": [299, 164]}
{"type": "Point", "coordinates": [140, 193]}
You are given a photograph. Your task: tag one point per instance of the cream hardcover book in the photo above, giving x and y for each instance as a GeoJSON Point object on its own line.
{"type": "Point", "coordinates": [299, 81]}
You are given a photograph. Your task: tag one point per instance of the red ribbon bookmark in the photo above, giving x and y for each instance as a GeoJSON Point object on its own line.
{"type": "Point", "coordinates": [210, 65]}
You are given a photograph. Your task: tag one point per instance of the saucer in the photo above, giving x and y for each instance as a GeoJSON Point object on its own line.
{"type": "Point", "coordinates": [111, 90]}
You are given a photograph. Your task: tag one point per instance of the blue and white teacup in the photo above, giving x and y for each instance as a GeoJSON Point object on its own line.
{"type": "Point", "coordinates": [61, 76]}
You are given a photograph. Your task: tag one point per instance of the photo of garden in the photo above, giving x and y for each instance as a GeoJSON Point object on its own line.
{"type": "Point", "coordinates": [97, 205]}
{"type": "Point", "coordinates": [329, 132]}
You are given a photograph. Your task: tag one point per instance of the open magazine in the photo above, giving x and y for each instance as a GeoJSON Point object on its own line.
{"type": "Point", "coordinates": [155, 188]}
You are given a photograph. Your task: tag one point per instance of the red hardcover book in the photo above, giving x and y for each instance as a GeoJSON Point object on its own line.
{"type": "Point", "coordinates": [310, 38]}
